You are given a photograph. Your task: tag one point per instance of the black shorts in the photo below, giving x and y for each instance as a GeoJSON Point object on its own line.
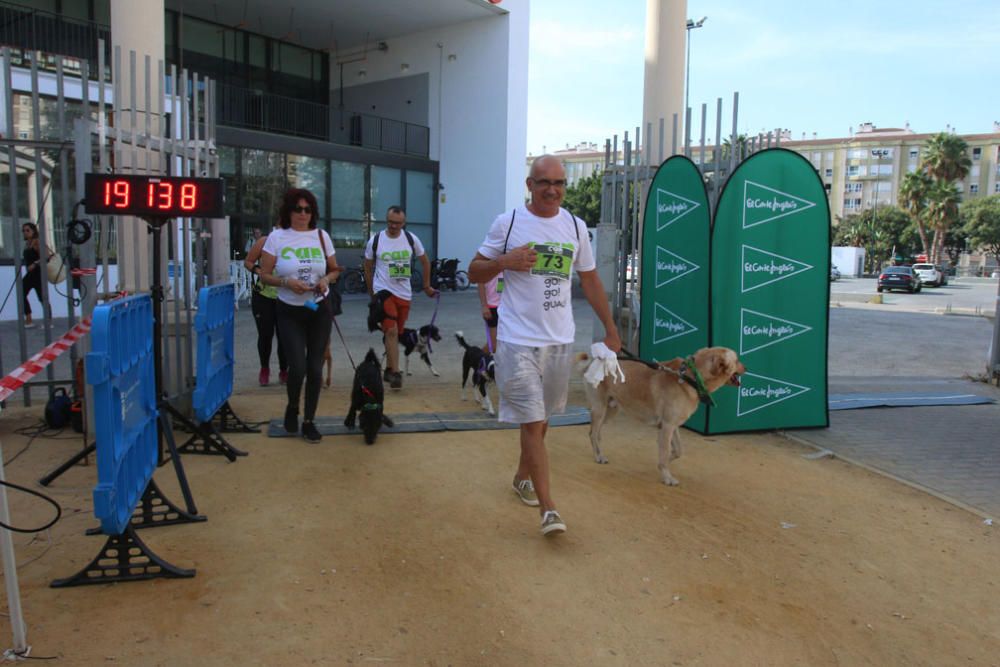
{"type": "Point", "coordinates": [494, 318]}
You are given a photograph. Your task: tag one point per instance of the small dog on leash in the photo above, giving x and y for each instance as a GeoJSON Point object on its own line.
{"type": "Point", "coordinates": [482, 367]}
{"type": "Point", "coordinates": [367, 395]}
{"type": "Point", "coordinates": [664, 395]}
{"type": "Point", "coordinates": [418, 340]}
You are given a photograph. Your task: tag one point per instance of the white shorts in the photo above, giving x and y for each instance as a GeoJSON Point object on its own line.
{"type": "Point", "coordinates": [533, 381]}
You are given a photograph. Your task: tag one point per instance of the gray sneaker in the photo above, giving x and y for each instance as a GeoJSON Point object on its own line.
{"type": "Point", "coordinates": [552, 523]}
{"type": "Point", "coordinates": [525, 490]}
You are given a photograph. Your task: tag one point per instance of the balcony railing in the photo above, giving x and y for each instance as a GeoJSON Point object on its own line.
{"type": "Point", "coordinates": [257, 110]}
{"type": "Point", "coordinates": [34, 33]}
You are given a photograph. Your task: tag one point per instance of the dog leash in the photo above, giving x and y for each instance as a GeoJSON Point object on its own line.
{"type": "Point", "coordinates": [437, 303]}
{"type": "Point", "coordinates": [697, 382]}
{"type": "Point", "coordinates": [489, 341]}
{"type": "Point", "coordinates": [346, 349]}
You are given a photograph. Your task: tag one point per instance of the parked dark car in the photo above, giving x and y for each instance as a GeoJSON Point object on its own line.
{"type": "Point", "coordinates": [899, 277]}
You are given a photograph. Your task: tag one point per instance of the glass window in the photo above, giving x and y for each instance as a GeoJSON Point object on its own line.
{"type": "Point", "coordinates": [228, 159]}
{"type": "Point", "coordinates": [419, 196]}
{"type": "Point", "coordinates": [974, 189]}
{"type": "Point", "coordinates": [77, 9]}
{"type": "Point", "coordinates": [977, 153]}
{"type": "Point", "coordinates": [263, 182]}
{"type": "Point", "coordinates": [385, 189]}
{"type": "Point", "coordinates": [309, 173]}
{"type": "Point", "coordinates": [914, 153]}
{"type": "Point", "coordinates": [852, 170]}
{"type": "Point", "coordinates": [201, 37]}
{"type": "Point", "coordinates": [290, 59]}
{"type": "Point", "coordinates": [347, 191]}
{"type": "Point", "coordinates": [426, 235]}
{"type": "Point", "coordinates": [829, 173]}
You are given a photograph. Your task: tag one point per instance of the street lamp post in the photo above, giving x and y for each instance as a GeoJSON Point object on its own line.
{"type": "Point", "coordinates": [691, 25]}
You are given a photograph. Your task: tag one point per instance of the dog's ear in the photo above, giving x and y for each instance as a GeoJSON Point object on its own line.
{"type": "Point", "coordinates": [720, 367]}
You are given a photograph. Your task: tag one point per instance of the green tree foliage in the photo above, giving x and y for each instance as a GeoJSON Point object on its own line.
{"type": "Point", "coordinates": [879, 231]}
{"type": "Point", "coordinates": [981, 223]}
{"type": "Point", "coordinates": [946, 160]}
{"type": "Point", "coordinates": [913, 197]}
{"type": "Point", "coordinates": [583, 199]}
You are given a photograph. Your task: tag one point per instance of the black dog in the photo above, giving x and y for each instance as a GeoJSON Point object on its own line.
{"type": "Point", "coordinates": [366, 398]}
{"type": "Point", "coordinates": [481, 365]}
{"type": "Point", "coordinates": [420, 341]}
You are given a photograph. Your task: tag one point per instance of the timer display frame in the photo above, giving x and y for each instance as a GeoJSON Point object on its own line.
{"type": "Point", "coordinates": [151, 196]}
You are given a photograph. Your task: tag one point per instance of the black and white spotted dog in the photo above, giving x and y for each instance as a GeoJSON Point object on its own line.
{"type": "Point", "coordinates": [481, 365]}
{"type": "Point", "coordinates": [419, 341]}
{"type": "Point", "coordinates": [367, 396]}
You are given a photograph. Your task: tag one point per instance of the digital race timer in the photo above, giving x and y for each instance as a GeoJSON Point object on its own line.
{"type": "Point", "coordinates": [148, 196]}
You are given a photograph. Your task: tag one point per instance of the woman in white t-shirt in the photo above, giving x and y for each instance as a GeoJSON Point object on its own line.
{"type": "Point", "coordinates": [299, 260]}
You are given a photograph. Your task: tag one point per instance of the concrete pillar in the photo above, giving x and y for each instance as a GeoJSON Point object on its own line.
{"type": "Point", "coordinates": [137, 26]}
{"type": "Point", "coordinates": [663, 85]}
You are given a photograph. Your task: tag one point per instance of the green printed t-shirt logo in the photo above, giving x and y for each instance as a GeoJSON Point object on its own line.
{"type": "Point", "coordinates": [398, 262]}
{"type": "Point", "coordinates": [301, 253]}
{"type": "Point", "coordinates": [763, 204]}
{"type": "Point", "coordinates": [553, 259]}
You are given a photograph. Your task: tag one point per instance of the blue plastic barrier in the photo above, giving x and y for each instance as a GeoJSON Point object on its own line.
{"type": "Point", "coordinates": [120, 368]}
{"type": "Point", "coordinates": [214, 327]}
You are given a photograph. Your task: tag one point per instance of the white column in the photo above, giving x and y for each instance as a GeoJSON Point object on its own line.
{"type": "Point", "coordinates": [663, 86]}
{"type": "Point", "coordinates": [137, 26]}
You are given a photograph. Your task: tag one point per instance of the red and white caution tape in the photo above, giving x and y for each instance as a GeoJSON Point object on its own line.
{"type": "Point", "coordinates": [33, 366]}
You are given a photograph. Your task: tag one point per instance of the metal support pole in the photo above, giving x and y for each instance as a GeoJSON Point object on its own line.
{"type": "Point", "coordinates": [10, 572]}
{"type": "Point", "coordinates": [995, 353]}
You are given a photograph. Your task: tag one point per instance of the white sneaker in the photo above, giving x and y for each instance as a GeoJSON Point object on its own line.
{"type": "Point", "coordinates": [552, 523]}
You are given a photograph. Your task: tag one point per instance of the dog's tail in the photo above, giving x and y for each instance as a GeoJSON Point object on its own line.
{"type": "Point", "coordinates": [461, 340]}
{"type": "Point", "coordinates": [371, 356]}
{"type": "Point", "coordinates": [580, 363]}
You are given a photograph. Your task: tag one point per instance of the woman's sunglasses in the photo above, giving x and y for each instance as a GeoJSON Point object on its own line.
{"type": "Point", "coordinates": [302, 209]}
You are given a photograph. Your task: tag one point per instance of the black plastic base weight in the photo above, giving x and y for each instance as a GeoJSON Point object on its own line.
{"type": "Point", "coordinates": [205, 439]}
{"type": "Point", "coordinates": [230, 423]}
{"type": "Point", "coordinates": [155, 509]}
{"type": "Point", "coordinates": [123, 557]}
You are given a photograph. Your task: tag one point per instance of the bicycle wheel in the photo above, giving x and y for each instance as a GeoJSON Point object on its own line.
{"type": "Point", "coordinates": [462, 280]}
{"type": "Point", "coordinates": [354, 282]}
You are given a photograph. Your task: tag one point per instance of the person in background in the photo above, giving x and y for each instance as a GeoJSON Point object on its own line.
{"type": "Point", "coordinates": [255, 235]}
{"type": "Point", "coordinates": [299, 260]}
{"type": "Point", "coordinates": [391, 282]}
{"type": "Point", "coordinates": [489, 301]}
{"type": "Point", "coordinates": [31, 259]}
{"type": "Point", "coordinates": [537, 246]}
{"type": "Point", "coordinates": [264, 306]}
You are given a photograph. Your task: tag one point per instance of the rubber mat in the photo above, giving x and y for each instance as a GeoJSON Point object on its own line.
{"type": "Point", "coordinates": [429, 422]}
{"type": "Point", "coordinates": [904, 400]}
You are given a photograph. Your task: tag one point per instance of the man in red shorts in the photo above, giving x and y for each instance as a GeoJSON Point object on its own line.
{"type": "Point", "coordinates": [389, 256]}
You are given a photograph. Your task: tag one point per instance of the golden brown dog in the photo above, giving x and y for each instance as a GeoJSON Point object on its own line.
{"type": "Point", "coordinates": [664, 396]}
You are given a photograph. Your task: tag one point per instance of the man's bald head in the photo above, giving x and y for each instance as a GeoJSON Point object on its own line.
{"type": "Point", "coordinates": [547, 184]}
{"type": "Point", "coordinates": [545, 163]}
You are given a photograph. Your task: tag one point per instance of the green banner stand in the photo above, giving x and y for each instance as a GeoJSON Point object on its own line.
{"type": "Point", "coordinates": [770, 292]}
{"type": "Point", "coordinates": [674, 304]}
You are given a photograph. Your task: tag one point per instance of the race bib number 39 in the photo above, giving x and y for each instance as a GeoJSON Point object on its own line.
{"type": "Point", "coordinates": [399, 270]}
{"type": "Point", "coordinates": [553, 259]}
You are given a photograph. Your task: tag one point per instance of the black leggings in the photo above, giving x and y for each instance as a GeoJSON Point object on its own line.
{"type": "Point", "coordinates": [264, 313]}
{"type": "Point", "coordinates": [304, 334]}
{"type": "Point", "coordinates": [32, 281]}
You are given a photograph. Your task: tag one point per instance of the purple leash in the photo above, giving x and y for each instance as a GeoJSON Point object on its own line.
{"type": "Point", "coordinates": [437, 302]}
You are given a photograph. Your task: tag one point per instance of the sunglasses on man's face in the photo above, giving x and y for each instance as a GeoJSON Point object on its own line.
{"type": "Point", "coordinates": [302, 209]}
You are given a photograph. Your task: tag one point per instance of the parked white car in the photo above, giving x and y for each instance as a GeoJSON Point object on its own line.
{"type": "Point", "coordinates": [930, 275]}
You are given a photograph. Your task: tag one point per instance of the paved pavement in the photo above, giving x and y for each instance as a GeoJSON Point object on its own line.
{"type": "Point", "coordinates": [953, 452]}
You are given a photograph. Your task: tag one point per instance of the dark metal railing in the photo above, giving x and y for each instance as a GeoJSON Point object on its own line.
{"type": "Point", "coordinates": [34, 33]}
{"type": "Point", "coordinates": [267, 112]}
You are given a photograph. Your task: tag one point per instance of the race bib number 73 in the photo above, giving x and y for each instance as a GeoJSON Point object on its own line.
{"type": "Point", "coordinates": [553, 259]}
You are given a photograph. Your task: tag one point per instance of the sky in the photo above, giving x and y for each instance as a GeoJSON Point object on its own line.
{"type": "Point", "coordinates": [805, 65]}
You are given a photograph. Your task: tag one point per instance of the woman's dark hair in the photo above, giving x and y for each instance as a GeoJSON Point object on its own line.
{"type": "Point", "coordinates": [290, 201]}
{"type": "Point", "coordinates": [33, 227]}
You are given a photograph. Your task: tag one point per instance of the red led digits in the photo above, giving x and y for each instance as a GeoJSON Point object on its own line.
{"type": "Point", "coordinates": [116, 194]}
{"type": "Point", "coordinates": [189, 196]}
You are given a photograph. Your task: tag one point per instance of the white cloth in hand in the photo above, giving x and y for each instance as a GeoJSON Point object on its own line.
{"type": "Point", "coordinates": [603, 363]}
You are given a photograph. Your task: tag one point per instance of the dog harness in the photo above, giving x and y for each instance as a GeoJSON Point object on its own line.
{"type": "Point", "coordinates": [371, 405]}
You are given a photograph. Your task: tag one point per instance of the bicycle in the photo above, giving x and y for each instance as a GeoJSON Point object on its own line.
{"type": "Point", "coordinates": [445, 275]}
{"type": "Point", "coordinates": [354, 281]}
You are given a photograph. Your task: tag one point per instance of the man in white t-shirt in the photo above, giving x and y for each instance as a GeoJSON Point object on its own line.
{"type": "Point", "coordinates": [391, 282]}
{"type": "Point", "coordinates": [537, 246]}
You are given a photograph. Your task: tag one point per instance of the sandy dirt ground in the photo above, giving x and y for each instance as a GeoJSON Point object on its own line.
{"type": "Point", "coordinates": [416, 552]}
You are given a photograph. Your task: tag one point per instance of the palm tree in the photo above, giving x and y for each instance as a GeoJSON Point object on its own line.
{"type": "Point", "coordinates": [913, 197]}
{"type": "Point", "coordinates": [942, 209]}
{"type": "Point", "coordinates": [742, 145]}
{"type": "Point", "coordinates": [946, 157]}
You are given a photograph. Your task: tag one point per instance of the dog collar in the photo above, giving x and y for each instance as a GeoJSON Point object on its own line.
{"type": "Point", "coordinates": [697, 382]}
{"type": "Point", "coordinates": [371, 406]}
